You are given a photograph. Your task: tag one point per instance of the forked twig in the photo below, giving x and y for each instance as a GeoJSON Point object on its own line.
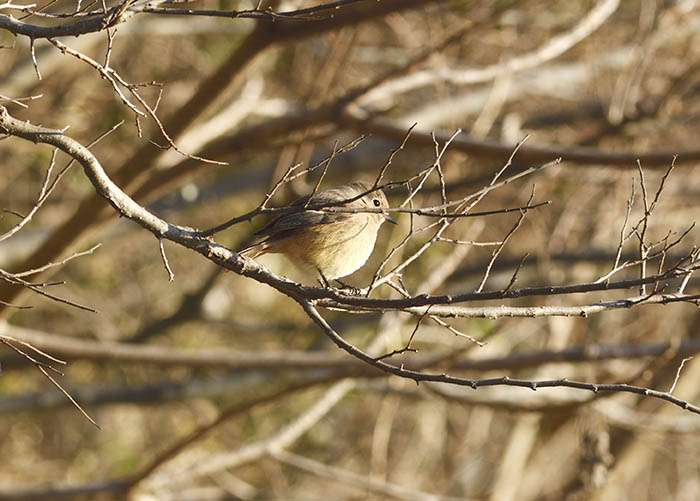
{"type": "Point", "coordinates": [44, 368]}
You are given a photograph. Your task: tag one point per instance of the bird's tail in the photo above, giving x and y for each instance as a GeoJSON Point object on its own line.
{"type": "Point", "coordinates": [255, 250]}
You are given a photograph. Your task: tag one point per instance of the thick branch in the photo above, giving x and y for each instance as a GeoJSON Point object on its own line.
{"type": "Point", "coordinates": [239, 361]}
{"type": "Point", "coordinates": [489, 148]}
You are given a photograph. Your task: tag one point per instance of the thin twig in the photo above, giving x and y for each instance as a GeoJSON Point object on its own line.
{"type": "Point", "coordinates": [390, 159]}
{"type": "Point", "coordinates": [497, 251]}
{"type": "Point", "coordinates": [514, 277]}
{"type": "Point", "coordinates": [33, 52]}
{"type": "Point", "coordinates": [407, 347]}
{"type": "Point", "coordinates": [69, 397]}
{"type": "Point", "coordinates": [59, 263]}
{"type": "Point", "coordinates": [678, 374]}
{"type": "Point", "coordinates": [171, 275]}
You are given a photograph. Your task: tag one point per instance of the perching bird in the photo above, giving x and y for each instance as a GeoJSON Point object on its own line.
{"type": "Point", "coordinates": [335, 244]}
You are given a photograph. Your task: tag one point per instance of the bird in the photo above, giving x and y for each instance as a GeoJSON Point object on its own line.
{"type": "Point", "coordinates": [334, 244]}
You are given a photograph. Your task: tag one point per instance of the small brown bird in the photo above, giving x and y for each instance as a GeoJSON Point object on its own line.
{"type": "Point", "coordinates": [333, 243]}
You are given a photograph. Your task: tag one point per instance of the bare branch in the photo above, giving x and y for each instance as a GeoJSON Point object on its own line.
{"type": "Point", "coordinates": [59, 263]}
{"type": "Point", "coordinates": [477, 383]}
{"type": "Point", "coordinates": [497, 251]}
{"type": "Point", "coordinates": [44, 368]}
{"type": "Point", "coordinates": [171, 275]}
{"type": "Point", "coordinates": [678, 374]}
{"type": "Point", "coordinates": [553, 48]}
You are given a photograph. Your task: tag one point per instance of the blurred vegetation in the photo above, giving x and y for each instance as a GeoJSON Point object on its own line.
{"type": "Point", "coordinates": [632, 85]}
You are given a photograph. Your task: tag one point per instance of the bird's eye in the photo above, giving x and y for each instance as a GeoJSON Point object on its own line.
{"type": "Point", "coordinates": [376, 202]}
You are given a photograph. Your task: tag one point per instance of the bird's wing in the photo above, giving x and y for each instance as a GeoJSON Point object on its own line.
{"type": "Point", "coordinates": [305, 218]}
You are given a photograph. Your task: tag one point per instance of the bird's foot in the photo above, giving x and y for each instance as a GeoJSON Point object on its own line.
{"type": "Point", "coordinates": [351, 289]}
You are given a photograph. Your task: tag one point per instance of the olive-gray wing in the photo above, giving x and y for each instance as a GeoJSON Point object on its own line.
{"type": "Point", "coordinates": [306, 218]}
{"type": "Point", "coordinates": [298, 220]}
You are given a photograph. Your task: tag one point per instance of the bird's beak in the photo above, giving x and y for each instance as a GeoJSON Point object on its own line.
{"type": "Point", "coordinates": [390, 219]}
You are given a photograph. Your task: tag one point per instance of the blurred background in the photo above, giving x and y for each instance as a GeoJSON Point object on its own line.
{"type": "Point", "coordinates": [214, 386]}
